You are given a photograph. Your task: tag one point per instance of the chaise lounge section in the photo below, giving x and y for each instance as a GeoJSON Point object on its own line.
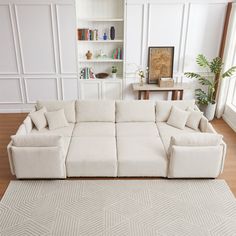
{"type": "Point", "coordinates": [119, 139]}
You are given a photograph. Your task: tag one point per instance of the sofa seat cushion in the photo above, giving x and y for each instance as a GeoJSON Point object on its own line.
{"type": "Point", "coordinates": [136, 129]}
{"type": "Point", "coordinates": [141, 156]}
{"type": "Point", "coordinates": [166, 131]}
{"type": "Point", "coordinates": [94, 129]}
{"type": "Point", "coordinates": [92, 156]}
{"type": "Point", "coordinates": [65, 131]}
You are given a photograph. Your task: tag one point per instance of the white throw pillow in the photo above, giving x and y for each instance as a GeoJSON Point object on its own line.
{"type": "Point", "coordinates": [38, 118]}
{"type": "Point", "coordinates": [56, 119]}
{"type": "Point", "coordinates": [194, 118]}
{"type": "Point", "coordinates": [178, 117]}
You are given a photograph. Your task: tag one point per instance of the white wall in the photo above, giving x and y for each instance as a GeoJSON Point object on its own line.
{"type": "Point", "coordinates": [192, 27]}
{"type": "Point", "coordinates": [40, 62]}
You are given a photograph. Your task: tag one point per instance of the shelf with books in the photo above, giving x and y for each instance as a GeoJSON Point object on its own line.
{"type": "Point", "coordinates": [102, 19]}
{"type": "Point", "coordinates": [99, 60]}
{"type": "Point", "coordinates": [101, 41]}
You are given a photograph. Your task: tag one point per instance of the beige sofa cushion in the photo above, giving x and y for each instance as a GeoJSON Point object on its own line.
{"type": "Point", "coordinates": [38, 118]}
{"type": "Point", "coordinates": [141, 156]}
{"type": "Point", "coordinates": [92, 156]}
{"type": "Point", "coordinates": [65, 131]}
{"type": "Point", "coordinates": [136, 129]}
{"type": "Point", "coordinates": [56, 119]}
{"type": "Point", "coordinates": [194, 119]}
{"type": "Point", "coordinates": [163, 108]}
{"type": "Point", "coordinates": [94, 129]}
{"type": "Point", "coordinates": [178, 117]}
{"type": "Point", "coordinates": [199, 139]}
{"type": "Point", "coordinates": [31, 140]}
{"type": "Point", "coordinates": [95, 111]}
{"type": "Point", "coordinates": [68, 106]}
{"type": "Point", "coordinates": [21, 130]}
{"type": "Point", "coordinates": [28, 124]}
{"type": "Point", "coordinates": [135, 111]}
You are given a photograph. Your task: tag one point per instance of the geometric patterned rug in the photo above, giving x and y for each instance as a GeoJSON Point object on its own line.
{"type": "Point", "coordinates": [118, 208]}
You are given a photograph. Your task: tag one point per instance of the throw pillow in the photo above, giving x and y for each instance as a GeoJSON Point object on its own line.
{"type": "Point", "coordinates": [194, 119]}
{"type": "Point", "coordinates": [38, 118]}
{"type": "Point", "coordinates": [56, 119]}
{"type": "Point", "coordinates": [178, 117]}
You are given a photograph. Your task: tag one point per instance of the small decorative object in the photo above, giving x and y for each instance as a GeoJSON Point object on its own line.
{"type": "Point", "coordinates": [141, 74]}
{"type": "Point", "coordinates": [166, 82]}
{"type": "Point", "coordinates": [117, 54]}
{"type": "Point", "coordinates": [160, 63]}
{"type": "Point", "coordinates": [114, 71]}
{"type": "Point", "coordinates": [89, 55]}
{"type": "Point", "coordinates": [112, 33]}
{"type": "Point", "coordinates": [210, 81]}
{"type": "Point", "coordinates": [104, 36]}
{"type": "Point", "coordinates": [101, 54]}
{"type": "Point", "coordinates": [102, 75]}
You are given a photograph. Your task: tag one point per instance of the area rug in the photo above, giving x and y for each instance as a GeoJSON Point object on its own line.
{"type": "Point", "coordinates": [118, 207]}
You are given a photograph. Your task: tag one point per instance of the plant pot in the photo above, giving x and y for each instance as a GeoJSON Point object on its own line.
{"type": "Point", "coordinates": [113, 75]}
{"type": "Point", "coordinates": [209, 110]}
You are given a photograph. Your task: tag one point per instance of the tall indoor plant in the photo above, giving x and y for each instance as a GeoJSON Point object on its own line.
{"type": "Point", "coordinates": [209, 79]}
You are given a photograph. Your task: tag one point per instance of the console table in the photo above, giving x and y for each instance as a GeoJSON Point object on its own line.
{"type": "Point", "coordinates": [177, 90]}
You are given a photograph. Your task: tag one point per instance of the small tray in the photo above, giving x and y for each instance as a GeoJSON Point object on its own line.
{"type": "Point", "coordinates": [102, 75]}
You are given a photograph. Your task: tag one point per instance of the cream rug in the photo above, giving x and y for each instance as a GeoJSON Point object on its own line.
{"type": "Point", "coordinates": [118, 207]}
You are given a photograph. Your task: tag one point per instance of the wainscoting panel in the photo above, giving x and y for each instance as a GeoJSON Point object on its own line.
{"type": "Point", "coordinates": [165, 27]}
{"type": "Point", "coordinates": [205, 27]}
{"type": "Point", "coordinates": [8, 60]}
{"type": "Point", "coordinates": [10, 90]}
{"type": "Point", "coordinates": [41, 89]}
{"type": "Point", "coordinates": [69, 88]}
{"type": "Point", "coordinates": [36, 35]}
{"type": "Point", "coordinates": [66, 24]}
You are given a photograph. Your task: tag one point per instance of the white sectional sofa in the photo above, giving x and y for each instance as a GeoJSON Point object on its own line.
{"type": "Point", "coordinates": [117, 139]}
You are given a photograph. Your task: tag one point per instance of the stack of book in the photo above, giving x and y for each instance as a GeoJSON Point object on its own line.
{"type": "Point", "coordinates": [87, 73]}
{"type": "Point", "coordinates": [117, 54]}
{"type": "Point", "coordinates": [87, 34]}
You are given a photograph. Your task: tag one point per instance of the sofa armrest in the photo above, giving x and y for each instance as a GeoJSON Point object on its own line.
{"type": "Point", "coordinates": [196, 155]}
{"type": "Point", "coordinates": [37, 156]}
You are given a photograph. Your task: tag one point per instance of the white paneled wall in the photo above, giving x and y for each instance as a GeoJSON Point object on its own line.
{"type": "Point", "coordinates": [38, 51]}
{"type": "Point", "coordinates": [192, 27]}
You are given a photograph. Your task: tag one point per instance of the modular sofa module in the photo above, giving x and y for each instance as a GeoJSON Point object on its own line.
{"type": "Point", "coordinates": [118, 139]}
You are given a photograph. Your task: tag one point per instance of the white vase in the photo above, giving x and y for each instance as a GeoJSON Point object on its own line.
{"type": "Point", "coordinates": [209, 111]}
{"type": "Point", "coordinates": [113, 75]}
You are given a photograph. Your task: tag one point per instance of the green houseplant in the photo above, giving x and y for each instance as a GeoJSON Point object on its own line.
{"type": "Point", "coordinates": [114, 71]}
{"type": "Point", "coordinates": [209, 80]}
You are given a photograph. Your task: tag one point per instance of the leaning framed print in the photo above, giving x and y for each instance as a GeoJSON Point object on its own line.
{"type": "Point", "coordinates": [160, 63]}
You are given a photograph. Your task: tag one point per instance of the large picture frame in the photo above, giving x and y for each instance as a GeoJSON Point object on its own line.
{"type": "Point", "coordinates": [160, 63]}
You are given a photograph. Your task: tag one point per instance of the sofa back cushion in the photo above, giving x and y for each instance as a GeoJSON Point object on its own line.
{"type": "Point", "coordinates": [95, 111]}
{"type": "Point", "coordinates": [135, 111]}
{"type": "Point", "coordinates": [163, 108]}
{"type": "Point", "coordinates": [68, 106]}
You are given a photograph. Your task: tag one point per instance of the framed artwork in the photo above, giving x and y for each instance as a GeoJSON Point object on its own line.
{"type": "Point", "coordinates": [160, 63]}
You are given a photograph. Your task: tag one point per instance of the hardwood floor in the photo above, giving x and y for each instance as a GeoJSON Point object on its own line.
{"type": "Point", "coordinates": [10, 122]}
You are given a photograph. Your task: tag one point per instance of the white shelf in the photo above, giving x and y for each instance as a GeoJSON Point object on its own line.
{"type": "Point", "coordinates": [101, 41]}
{"type": "Point", "coordinates": [100, 60]}
{"type": "Point", "coordinates": [102, 19]}
{"type": "Point", "coordinates": [106, 79]}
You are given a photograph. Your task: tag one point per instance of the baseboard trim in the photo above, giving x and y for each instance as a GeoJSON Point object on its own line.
{"type": "Point", "coordinates": [230, 123]}
{"type": "Point", "coordinates": [24, 110]}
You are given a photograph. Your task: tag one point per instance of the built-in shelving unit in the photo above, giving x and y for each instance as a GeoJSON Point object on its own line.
{"type": "Point", "coordinates": [101, 15]}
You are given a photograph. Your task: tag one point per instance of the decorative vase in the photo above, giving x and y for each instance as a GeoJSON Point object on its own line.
{"type": "Point", "coordinates": [209, 110]}
{"type": "Point", "coordinates": [113, 75]}
{"type": "Point", "coordinates": [112, 33]}
{"type": "Point", "coordinates": [141, 81]}
{"type": "Point", "coordinates": [89, 55]}
{"type": "Point", "coordinates": [104, 36]}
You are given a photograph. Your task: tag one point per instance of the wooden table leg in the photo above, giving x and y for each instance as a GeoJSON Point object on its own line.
{"type": "Point", "coordinates": [146, 95]}
{"type": "Point", "coordinates": [181, 94]}
{"type": "Point", "coordinates": [174, 95]}
{"type": "Point", "coordinates": [139, 95]}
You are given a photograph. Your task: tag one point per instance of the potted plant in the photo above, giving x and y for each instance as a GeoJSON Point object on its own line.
{"type": "Point", "coordinates": [142, 73]}
{"type": "Point", "coordinates": [114, 71]}
{"type": "Point", "coordinates": [209, 80]}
